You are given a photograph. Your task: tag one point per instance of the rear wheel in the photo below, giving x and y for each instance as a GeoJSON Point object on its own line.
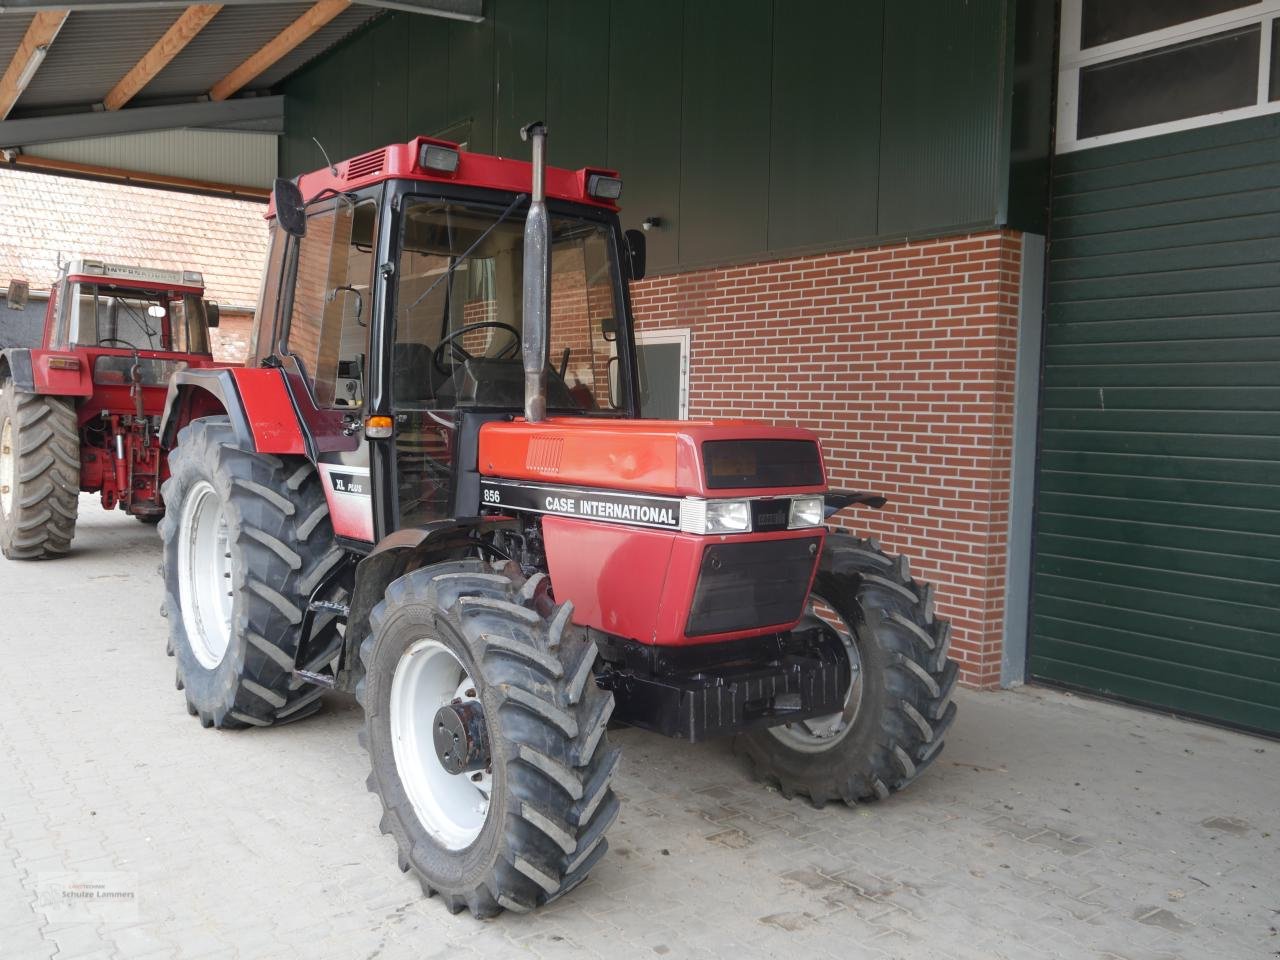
{"type": "Point", "coordinates": [247, 539]}
{"type": "Point", "coordinates": [898, 706]}
{"type": "Point", "coordinates": [39, 474]}
{"type": "Point", "coordinates": [486, 735]}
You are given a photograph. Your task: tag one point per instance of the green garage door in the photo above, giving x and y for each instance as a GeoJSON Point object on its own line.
{"type": "Point", "coordinates": [1157, 553]}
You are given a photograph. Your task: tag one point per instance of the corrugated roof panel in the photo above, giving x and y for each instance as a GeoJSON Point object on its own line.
{"type": "Point", "coordinates": [93, 51]}
{"type": "Point", "coordinates": [324, 38]}
{"type": "Point", "coordinates": [216, 156]}
{"type": "Point", "coordinates": [229, 39]}
{"type": "Point", "coordinates": [13, 25]}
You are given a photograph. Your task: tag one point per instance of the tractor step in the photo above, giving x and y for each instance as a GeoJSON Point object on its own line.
{"type": "Point", "coordinates": [319, 679]}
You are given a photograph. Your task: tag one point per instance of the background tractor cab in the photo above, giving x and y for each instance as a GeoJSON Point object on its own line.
{"type": "Point", "coordinates": [430, 486]}
{"type": "Point", "coordinates": [113, 335]}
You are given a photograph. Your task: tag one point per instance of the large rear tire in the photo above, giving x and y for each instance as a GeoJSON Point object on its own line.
{"type": "Point", "coordinates": [527, 829]}
{"type": "Point", "coordinates": [898, 707]}
{"type": "Point", "coordinates": [247, 538]}
{"type": "Point", "coordinates": [39, 474]}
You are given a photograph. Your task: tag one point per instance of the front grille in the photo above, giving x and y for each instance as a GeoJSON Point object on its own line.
{"type": "Point", "coordinates": [742, 586]}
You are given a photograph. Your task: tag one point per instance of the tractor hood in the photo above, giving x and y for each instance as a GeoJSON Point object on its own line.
{"type": "Point", "coordinates": [685, 458]}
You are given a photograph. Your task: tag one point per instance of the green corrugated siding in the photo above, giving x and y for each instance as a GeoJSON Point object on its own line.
{"type": "Point", "coordinates": [1157, 570]}
{"type": "Point", "coordinates": [749, 127]}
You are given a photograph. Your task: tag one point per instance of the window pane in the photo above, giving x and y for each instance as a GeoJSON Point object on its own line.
{"type": "Point", "coordinates": [1275, 60]}
{"type": "Point", "coordinates": [1187, 80]}
{"type": "Point", "coordinates": [264, 320]}
{"type": "Point", "coordinates": [1105, 21]}
{"type": "Point", "coordinates": [340, 365]}
{"type": "Point", "coordinates": [311, 286]}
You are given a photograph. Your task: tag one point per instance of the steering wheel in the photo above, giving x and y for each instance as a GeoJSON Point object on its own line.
{"type": "Point", "coordinates": [460, 353]}
{"type": "Point", "coordinates": [105, 340]}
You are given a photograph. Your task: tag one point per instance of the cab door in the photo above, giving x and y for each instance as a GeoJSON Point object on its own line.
{"type": "Point", "coordinates": [324, 351]}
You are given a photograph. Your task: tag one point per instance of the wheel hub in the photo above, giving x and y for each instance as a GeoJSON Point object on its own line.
{"type": "Point", "coordinates": [206, 592]}
{"type": "Point", "coordinates": [448, 782]}
{"type": "Point", "coordinates": [821, 733]}
{"type": "Point", "coordinates": [462, 743]}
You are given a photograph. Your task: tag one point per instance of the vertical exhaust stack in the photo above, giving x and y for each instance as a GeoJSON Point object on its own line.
{"type": "Point", "coordinates": [537, 280]}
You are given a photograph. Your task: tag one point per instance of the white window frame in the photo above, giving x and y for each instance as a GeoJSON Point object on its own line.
{"type": "Point", "coordinates": [1071, 59]}
{"type": "Point", "coordinates": [680, 336]}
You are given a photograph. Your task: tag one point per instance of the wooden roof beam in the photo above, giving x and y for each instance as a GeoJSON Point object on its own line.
{"type": "Point", "coordinates": [279, 45]}
{"type": "Point", "coordinates": [26, 60]}
{"type": "Point", "coordinates": [183, 30]}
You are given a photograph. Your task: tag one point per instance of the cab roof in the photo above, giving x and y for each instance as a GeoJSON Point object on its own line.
{"type": "Point", "coordinates": [403, 161]}
{"type": "Point", "coordinates": [123, 274]}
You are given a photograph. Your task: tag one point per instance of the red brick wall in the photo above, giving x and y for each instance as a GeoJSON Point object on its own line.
{"type": "Point", "coordinates": [902, 359]}
{"type": "Point", "coordinates": [230, 339]}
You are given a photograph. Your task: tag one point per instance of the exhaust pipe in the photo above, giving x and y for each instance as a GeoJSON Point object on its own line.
{"type": "Point", "coordinates": [537, 280]}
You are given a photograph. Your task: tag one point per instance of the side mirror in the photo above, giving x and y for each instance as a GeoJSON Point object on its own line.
{"type": "Point", "coordinates": [635, 254]}
{"type": "Point", "coordinates": [290, 210]}
{"type": "Point", "coordinates": [212, 314]}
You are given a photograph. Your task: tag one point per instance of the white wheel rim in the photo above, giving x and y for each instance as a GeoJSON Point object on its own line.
{"type": "Point", "coordinates": [204, 574]}
{"type": "Point", "coordinates": [822, 733]}
{"type": "Point", "coordinates": [452, 808]}
{"type": "Point", "coordinates": [6, 467]}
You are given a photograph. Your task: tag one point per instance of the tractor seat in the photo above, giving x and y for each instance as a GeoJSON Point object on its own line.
{"type": "Point", "coordinates": [415, 381]}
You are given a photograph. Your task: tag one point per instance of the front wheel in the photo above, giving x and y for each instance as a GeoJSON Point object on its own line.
{"type": "Point", "coordinates": [898, 706]}
{"type": "Point", "coordinates": [486, 735]}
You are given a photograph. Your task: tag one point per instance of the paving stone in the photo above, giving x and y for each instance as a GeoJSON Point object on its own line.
{"type": "Point", "coordinates": [1031, 837]}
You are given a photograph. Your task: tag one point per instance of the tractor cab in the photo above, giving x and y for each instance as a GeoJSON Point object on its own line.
{"type": "Point", "coordinates": [121, 312]}
{"type": "Point", "coordinates": [396, 308]}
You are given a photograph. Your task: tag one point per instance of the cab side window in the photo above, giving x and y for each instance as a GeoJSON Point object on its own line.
{"type": "Point", "coordinates": [264, 321]}
{"type": "Point", "coordinates": [332, 300]}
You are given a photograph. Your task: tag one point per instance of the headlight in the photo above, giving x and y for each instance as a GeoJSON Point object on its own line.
{"type": "Point", "coordinates": [715, 516]}
{"type": "Point", "coordinates": [728, 516]}
{"type": "Point", "coordinates": [805, 512]}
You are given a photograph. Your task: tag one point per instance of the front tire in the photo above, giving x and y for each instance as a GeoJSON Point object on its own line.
{"type": "Point", "coordinates": [39, 474]}
{"type": "Point", "coordinates": [531, 826]}
{"type": "Point", "coordinates": [899, 704]}
{"type": "Point", "coordinates": [247, 538]}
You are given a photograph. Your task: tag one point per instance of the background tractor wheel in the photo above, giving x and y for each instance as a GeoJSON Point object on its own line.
{"type": "Point", "coordinates": [39, 474]}
{"type": "Point", "coordinates": [247, 538]}
{"type": "Point", "coordinates": [458, 647]}
{"type": "Point", "coordinates": [898, 706]}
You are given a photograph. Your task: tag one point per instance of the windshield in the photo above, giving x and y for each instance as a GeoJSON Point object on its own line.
{"type": "Point", "coordinates": [123, 319]}
{"type": "Point", "coordinates": [459, 316]}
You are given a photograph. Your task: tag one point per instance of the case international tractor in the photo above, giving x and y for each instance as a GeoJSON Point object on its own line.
{"type": "Point", "coordinates": [431, 486]}
{"type": "Point", "coordinates": [80, 410]}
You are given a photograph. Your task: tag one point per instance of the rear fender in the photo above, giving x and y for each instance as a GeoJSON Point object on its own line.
{"type": "Point", "coordinates": [32, 373]}
{"type": "Point", "coordinates": [15, 365]}
{"type": "Point", "coordinates": [254, 399]}
{"type": "Point", "coordinates": [393, 557]}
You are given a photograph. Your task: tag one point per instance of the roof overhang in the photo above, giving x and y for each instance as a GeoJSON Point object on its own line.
{"type": "Point", "coordinates": [82, 70]}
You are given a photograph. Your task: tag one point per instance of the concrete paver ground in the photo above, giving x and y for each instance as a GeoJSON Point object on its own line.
{"type": "Point", "coordinates": [1052, 826]}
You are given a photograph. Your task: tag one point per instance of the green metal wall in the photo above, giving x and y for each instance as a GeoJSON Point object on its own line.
{"type": "Point", "coordinates": [750, 127]}
{"type": "Point", "coordinates": [1157, 567]}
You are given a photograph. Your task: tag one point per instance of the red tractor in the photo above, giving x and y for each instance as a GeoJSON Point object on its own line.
{"type": "Point", "coordinates": [80, 410]}
{"type": "Point", "coordinates": [430, 486]}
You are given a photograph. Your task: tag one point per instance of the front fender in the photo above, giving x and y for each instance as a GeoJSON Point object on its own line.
{"type": "Point", "coordinates": [394, 556]}
{"type": "Point", "coordinates": [837, 500]}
